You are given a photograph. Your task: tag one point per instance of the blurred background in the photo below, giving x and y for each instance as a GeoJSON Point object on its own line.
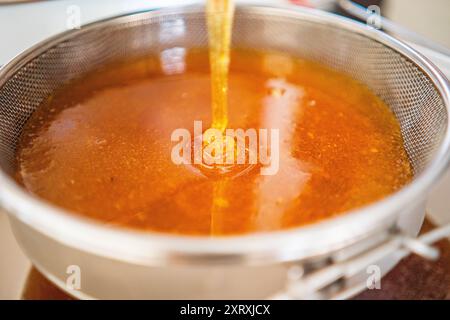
{"type": "Point", "coordinates": [24, 23]}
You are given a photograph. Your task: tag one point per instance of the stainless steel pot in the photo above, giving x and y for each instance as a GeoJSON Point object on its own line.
{"type": "Point", "coordinates": [118, 263]}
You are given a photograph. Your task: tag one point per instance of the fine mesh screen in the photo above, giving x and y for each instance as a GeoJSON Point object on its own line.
{"type": "Point", "coordinates": [399, 82]}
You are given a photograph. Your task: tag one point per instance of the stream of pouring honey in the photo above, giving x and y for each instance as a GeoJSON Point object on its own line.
{"type": "Point", "coordinates": [220, 21]}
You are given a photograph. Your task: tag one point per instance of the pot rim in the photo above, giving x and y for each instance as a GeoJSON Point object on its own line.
{"type": "Point", "coordinates": [153, 248]}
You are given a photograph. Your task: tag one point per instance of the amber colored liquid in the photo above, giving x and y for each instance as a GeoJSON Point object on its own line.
{"type": "Point", "coordinates": [220, 19]}
{"type": "Point", "coordinates": [219, 14]}
{"type": "Point", "coordinates": [101, 146]}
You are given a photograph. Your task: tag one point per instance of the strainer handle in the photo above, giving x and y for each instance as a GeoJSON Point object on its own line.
{"type": "Point", "coordinates": [332, 281]}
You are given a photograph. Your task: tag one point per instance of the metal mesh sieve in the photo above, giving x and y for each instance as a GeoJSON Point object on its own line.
{"type": "Point", "coordinates": [410, 91]}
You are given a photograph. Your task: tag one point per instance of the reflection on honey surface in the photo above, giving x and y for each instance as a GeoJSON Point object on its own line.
{"type": "Point", "coordinates": [101, 146]}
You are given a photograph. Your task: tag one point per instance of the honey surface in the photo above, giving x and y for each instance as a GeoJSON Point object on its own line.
{"type": "Point", "coordinates": [101, 146]}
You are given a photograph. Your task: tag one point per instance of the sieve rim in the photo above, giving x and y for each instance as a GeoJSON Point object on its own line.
{"type": "Point", "coordinates": [150, 248]}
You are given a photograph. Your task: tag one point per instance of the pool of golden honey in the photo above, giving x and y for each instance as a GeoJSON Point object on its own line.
{"type": "Point", "coordinates": [101, 145]}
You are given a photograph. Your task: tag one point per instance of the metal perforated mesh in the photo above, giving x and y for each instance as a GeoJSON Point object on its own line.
{"type": "Point", "coordinates": [410, 93]}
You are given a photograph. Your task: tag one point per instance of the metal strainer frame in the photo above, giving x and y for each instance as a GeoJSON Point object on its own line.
{"type": "Point", "coordinates": [268, 29]}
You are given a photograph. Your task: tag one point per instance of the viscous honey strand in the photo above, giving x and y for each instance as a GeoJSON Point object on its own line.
{"type": "Point", "coordinates": [220, 20]}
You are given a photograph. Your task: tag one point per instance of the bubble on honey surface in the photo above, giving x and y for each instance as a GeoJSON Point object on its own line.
{"type": "Point", "coordinates": [277, 92]}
